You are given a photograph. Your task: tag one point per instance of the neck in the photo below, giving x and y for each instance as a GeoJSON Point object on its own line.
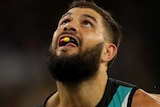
{"type": "Point", "coordinates": [85, 94]}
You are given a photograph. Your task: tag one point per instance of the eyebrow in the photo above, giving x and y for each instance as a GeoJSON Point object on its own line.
{"type": "Point", "coordinates": [89, 16]}
{"type": "Point", "coordinates": [68, 13]}
{"type": "Point", "coordinates": [84, 15]}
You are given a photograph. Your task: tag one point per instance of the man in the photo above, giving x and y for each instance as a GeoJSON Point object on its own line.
{"type": "Point", "coordinates": [83, 48]}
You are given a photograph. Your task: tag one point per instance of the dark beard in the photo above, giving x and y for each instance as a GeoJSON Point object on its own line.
{"type": "Point", "coordinates": [75, 68]}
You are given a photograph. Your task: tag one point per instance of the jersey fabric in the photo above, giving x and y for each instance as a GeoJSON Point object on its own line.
{"type": "Point", "coordinates": [117, 94]}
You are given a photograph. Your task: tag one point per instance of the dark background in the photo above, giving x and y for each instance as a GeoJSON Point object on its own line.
{"type": "Point", "coordinates": [26, 28]}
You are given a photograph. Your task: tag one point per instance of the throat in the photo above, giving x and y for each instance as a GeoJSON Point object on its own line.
{"type": "Point", "coordinates": [86, 94]}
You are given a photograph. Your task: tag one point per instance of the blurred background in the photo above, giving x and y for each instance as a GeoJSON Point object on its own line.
{"type": "Point", "coordinates": [26, 28]}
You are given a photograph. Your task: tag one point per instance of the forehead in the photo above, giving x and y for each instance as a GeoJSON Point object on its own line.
{"type": "Point", "coordinates": [77, 11]}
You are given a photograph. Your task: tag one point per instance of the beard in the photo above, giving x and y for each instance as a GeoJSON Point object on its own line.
{"type": "Point", "coordinates": [75, 68]}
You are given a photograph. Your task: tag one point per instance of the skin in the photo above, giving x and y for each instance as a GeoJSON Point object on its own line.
{"type": "Point", "coordinates": [89, 28]}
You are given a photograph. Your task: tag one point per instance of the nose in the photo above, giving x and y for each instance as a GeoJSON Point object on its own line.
{"type": "Point", "coordinates": [70, 27]}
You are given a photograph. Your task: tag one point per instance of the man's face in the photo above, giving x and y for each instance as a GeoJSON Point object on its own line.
{"type": "Point", "coordinates": [84, 28]}
{"type": "Point", "coordinates": [77, 44]}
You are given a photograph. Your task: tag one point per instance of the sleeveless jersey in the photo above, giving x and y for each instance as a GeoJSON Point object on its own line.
{"type": "Point", "coordinates": [117, 94]}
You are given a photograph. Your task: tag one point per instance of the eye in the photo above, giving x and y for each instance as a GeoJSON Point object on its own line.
{"type": "Point", "coordinates": [87, 24]}
{"type": "Point", "coordinates": [63, 22]}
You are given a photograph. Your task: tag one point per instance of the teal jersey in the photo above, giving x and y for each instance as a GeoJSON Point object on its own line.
{"type": "Point", "coordinates": [117, 94]}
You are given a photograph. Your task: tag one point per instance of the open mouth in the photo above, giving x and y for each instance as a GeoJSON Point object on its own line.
{"type": "Point", "coordinates": [68, 41]}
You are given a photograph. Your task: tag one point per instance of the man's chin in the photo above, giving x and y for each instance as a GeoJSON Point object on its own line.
{"type": "Point", "coordinates": [72, 66]}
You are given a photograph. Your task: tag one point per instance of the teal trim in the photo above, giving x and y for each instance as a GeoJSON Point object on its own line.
{"type": "Point", "coordinates": [119, 96]}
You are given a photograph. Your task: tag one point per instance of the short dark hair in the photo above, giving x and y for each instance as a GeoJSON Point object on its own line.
{"type": "Point", "coordinates": [109, 23]}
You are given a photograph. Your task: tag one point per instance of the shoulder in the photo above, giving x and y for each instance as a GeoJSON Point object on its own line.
{"type": "Point", "coordinates": [142, 98]}
{"type": "Point", "coordinates": [53, 100]}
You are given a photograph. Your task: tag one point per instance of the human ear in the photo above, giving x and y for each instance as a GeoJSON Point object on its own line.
{"type": "Point", "coordinates": [109, 52]}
